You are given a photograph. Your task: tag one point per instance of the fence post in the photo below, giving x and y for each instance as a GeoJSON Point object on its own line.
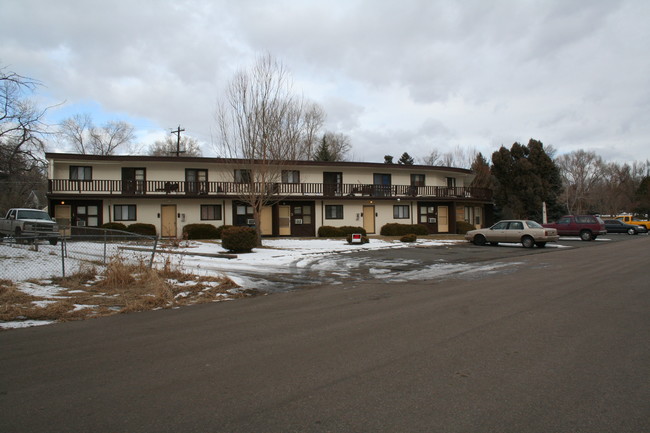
{"type": "Point", "coordinates": [153, 253]}
{"type": "Point", "coordinates": [62, 256]}
{"type": "Point", "coordinates": [105, 232]}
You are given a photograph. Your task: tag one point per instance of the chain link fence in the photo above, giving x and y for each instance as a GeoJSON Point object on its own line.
{"type": "Point", "coordinates": [25, 258]}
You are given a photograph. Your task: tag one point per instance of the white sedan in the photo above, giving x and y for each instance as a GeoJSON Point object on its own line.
{"type": "Point", "coordinates": [529, 233]}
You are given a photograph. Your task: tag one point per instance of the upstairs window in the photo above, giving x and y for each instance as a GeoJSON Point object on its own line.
{"type": "Point", "coordinates": [417, 180]}
{"type": "Point", "coordinates": [451, 182]}
{"type": "Point", "coordinates": [290, 176]}
{"type": "Point", "coordinates": [79, 172]}
{"type": "Point", "coordinates": [242, 175]}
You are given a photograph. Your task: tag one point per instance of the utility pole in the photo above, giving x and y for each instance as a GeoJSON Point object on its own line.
{"type": "Point", "coordinates": [178, 140]}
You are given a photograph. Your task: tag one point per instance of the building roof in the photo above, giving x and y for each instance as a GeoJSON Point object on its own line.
{"type": "Point", "coordinates": [215, 160]}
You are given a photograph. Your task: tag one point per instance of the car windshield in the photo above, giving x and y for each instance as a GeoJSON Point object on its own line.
{"type": "Point", "coordinates": [33, 215]}
{"type": "Point", "coordinates": [534, 225]}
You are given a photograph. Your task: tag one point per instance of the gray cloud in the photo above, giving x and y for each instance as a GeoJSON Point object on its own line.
{"type": "Point", "coordinates": [410, 75]}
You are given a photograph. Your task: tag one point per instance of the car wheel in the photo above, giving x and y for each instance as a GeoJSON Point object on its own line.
{"type": "Point", "coordinates": [631, 231]}
{"type": "Point", "coordinates": [53, 241]}
{"type": "Point", "coordinates": [540, 244]}
{"type": "Point", "coordinates": [586, 235]}
{"type": "Point", "coordinates": [479, 240]}
{"type": "Point", "coordinates": [528, 242]}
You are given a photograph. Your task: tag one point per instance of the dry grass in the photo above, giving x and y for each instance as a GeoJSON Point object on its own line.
{"type": "Point", "coordinates": [120, 287]}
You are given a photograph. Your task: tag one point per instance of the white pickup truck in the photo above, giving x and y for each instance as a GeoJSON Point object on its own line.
{"type": "Point", "coordinates": [29, 225]}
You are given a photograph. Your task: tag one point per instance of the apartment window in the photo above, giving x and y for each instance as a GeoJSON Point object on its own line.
{"type": "Point", "coordinates": [78, 172]}
{"type": "Point", "coordinates": [451, 182]}
{"type": "Point", "coordinates": [401, 211]}
{"type": "Point", "coordinates": [124, 212]}
{"type": "Point", "coordinates": [210, 211]}
{"type": "Point", "coordinates": [334, 211]}
{"type": "Point", "coordinates": [417, 180]}
{"type": "Point", "coordinates": [290, 176]}
{"type": "Point", "coordinates": [242, 175]}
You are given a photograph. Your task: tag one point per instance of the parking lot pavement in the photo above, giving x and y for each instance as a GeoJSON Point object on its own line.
{"type": "Point", "coordinates": [546, 348]}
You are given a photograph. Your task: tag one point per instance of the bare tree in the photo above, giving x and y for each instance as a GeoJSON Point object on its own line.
{"type": "Point", "coordinates": [263, 126]}
{"type": "Point", "coordinates": [581, 173]}
{"type": "Point", "coordinates": [167, 146]}
{"type": "Point", "coordinates": [22, 141]}
{"type": "Point", "coordinates": [432, 158]}
{"type": "Point", "coordinates": [81, 133]}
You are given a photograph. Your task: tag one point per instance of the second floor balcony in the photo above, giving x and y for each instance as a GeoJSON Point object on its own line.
{"type": "Point", "coordinates": [159, 188]}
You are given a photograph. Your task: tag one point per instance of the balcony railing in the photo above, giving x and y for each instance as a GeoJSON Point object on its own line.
{"type": "Point", "coordinates": [234, 189]}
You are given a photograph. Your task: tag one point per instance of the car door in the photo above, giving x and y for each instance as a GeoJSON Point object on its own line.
{"type": "Point", "coordinates": [515, 231]}
{"type": "Point", "coordinates": [498, 232]}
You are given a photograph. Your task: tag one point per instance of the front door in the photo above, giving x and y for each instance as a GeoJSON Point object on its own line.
{"type": "Point", "coordinates": [168, 221]}
{"type": "Point", "coordinates": [63, 217]}
{"type": "Point", "coordinates": [284, 220]}
{"type": "Point", "coordinates": [443, 219]}
{"type": "Point", "coordinates": [369, 219]}
{"type": "Point", "coordinates": [266, 221]}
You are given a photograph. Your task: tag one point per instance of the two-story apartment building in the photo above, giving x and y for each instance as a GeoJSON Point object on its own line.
{"type": "Point", "coordinates": [170, 192]}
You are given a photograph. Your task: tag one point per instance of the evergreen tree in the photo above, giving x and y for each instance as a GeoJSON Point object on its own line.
{"type": "Point", "coordinates": [323, 152]}
{"type": "Point", "coordinates": [482, 175]}
{"type": "Point", "coordinates": [388, 159]}
{"type": "Point", "coordinates": [642, 197]}
{"type": "Point", "coordinates": [526, 176]}
{"type": "Point", "coordinates": [405, 159]}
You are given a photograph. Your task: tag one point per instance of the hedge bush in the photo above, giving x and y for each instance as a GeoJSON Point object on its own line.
{"type": "Point", "coordinates": [200, 231]}
{"type": "Point", "coordinates": [114, 226]}
{"type": "Point", "coordinates": [409, 238]}
{"type": "Point", "coordinates": [463, 227]}
{"type": "Point", "coordinates": [239, 239]}
{"type": "Point", "coordinates": [339, 232]}
{"type": "Point", "coordinates": [220, 230]}
{"type": "Point", "coordinates": [142, 229]}
{"type": "Point", "coordinates": [395, 229]}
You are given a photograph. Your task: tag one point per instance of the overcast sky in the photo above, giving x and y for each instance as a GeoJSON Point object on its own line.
{"type": "Point", "coordinates": [394, 76]}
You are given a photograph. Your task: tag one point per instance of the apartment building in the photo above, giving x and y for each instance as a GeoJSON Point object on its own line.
{"type": "Point", "coordinates": [171, 192]}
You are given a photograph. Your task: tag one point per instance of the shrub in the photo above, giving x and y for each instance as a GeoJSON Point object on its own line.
{"type": "Point", "coordinates": [142, 229]}
{"type": "Point", "coordinates": [220, 230]}
{"type": "Point", "coordinates": [239, 239]}
{"type": "Point", "coordinates": [339, 232]}
{"type": "Point", "coordinates": [463, 227]}
{"type": "Point", "coordinates": [395, 229]}
{"type": "Point", "coordinates": [114, 226]}
{"type": "Point", "coordinates": [364, 239]}
{"type": "Point", "coordinates": [200, 231]}
{"type": "Point", "coordinates": [409, 238]}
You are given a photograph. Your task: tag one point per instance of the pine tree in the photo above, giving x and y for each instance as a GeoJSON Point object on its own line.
{"type": "Point", "coordinates": [323, 152]}
{"type": "Point", "coordinates": [526, 176]}
{"type": "Point", "coordinates": [405, 159]}
{"type": "Point", "coordinates": [388, 159]}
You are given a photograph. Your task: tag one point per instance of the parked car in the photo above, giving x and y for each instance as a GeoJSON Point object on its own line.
{"type": "Point", "coordinates": [618, 226]}
{"type": "Point", "coordinates": [529, 233]}
{"type": "Point", "coordinates": [588, 227]}
{"type": "Point", "coordinates": [629, 219]}
{"type": "Point", "coordinates": [29, 225]}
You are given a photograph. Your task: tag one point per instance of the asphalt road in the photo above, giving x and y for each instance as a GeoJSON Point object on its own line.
{"type": "Point", "coordinates": [557, 343]}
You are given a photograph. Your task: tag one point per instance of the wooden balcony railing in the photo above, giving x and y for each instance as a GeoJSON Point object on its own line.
{"type": "Point", "coordinates": [233, 189]}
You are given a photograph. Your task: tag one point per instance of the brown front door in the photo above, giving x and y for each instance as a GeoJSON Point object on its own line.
{"type": "Point", "coordinates": [168, 221]}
